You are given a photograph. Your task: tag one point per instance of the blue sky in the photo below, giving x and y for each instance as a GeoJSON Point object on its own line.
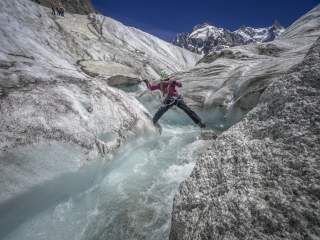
{"type": "Point", "coordinates": [165, 18]}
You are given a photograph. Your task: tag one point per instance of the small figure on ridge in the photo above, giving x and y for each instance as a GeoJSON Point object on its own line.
{"type": "Point", "coordinates": [60, 10]}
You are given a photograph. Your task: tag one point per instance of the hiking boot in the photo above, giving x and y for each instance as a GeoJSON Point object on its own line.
{"type": "Point", "coordinates": [158, 126]}
{"type": "Point", "coordinates": [202, 125]}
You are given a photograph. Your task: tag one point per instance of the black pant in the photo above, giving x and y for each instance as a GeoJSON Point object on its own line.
{"type": "Point", "coordinates": [178, 101]}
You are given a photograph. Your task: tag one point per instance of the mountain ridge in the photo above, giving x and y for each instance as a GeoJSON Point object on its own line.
{"type": "Point", "coordinates": [206, 38]}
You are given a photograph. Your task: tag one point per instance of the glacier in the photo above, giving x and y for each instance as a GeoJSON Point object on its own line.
{"type": "Point", "coordinates": [48, 91]}
{"type": "Point", "coordinates": [79, 155]}
{"type": "Point", "coordinates": [66, 112]}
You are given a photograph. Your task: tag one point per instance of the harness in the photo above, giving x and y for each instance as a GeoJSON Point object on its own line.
{"type": "Point", "coordinates": [173, 100]}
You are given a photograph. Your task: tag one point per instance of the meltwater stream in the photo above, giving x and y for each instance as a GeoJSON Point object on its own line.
{"type": "Point", "coordinates": [129, 198]}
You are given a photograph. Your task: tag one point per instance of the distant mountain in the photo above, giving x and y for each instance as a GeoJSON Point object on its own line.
{"type": "Point", "coordinates": [206, 38]}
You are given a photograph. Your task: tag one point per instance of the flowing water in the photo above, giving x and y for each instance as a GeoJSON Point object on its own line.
{"type": "Point", "coordinates": [128, 198]}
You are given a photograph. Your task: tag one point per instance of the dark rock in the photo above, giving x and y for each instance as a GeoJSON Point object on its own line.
{"type": "Point", "coordinates": [225, 53]}
{"type": "Point", "coordinates": [260, 179]}
{"type": "Point", "coordinates": [269, 50]}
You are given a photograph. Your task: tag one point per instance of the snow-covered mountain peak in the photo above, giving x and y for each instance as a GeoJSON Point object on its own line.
{"type": "Point", "coordinates": [277, 24]}
{"type": "Point", "coordinates": [207, 31]}
{"type": "Point", "coordinates": [264, 34]}
{"type": "Point", "coordinates": [205, 24]}
{"type": "Point", "coordinates": [206, 38]}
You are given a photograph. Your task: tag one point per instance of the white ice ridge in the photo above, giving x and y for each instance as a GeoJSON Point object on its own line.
{"type": "Point", "coordinates": [54, 88]}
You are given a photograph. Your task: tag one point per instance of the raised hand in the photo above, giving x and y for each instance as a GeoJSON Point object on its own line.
{"type": "Point", "coordinates": [145, 81]}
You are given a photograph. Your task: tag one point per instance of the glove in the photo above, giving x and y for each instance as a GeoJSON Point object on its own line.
{"type": "Point", "coordinates": [145, 81]}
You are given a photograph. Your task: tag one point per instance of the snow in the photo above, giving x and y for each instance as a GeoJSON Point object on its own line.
{"type": "Point", "coordinates": [257, 34]}
{"type": "Point", "coordinates": [206, 32]}
{"type": "Point", "coordinates": [206, 38]}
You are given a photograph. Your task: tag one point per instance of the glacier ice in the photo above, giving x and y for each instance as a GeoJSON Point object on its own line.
{"type": "Point", "coordinates": [69, 89]}
{"type": "Point", "coordinates": [56, 78]}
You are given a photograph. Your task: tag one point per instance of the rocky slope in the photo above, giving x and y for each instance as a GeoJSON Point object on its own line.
{"type": "Point", "coordinates": [228, 83]}
{"type": "Point", "coordinates": [72, 6]}
{"type": "Point", "coordinates": [260, 179]}
{"type": "Point", "coordinates": [206, 38]}
{"type": "Point", "coordinates": [57, 107]}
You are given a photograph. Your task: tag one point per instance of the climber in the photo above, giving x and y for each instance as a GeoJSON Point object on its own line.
{"type": "Point", "coordinates": [60, 10]}
{"type": "Point", "coordinates": [168, 89]}
{"type": "Point", "coordinates": [53, 8]}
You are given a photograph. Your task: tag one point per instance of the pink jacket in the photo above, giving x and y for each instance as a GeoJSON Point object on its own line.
{"type": "Point", "coordinates": [168, 88]}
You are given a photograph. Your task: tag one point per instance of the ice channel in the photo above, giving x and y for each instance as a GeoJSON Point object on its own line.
{"type": "Point", "coordinates": [128, 198]}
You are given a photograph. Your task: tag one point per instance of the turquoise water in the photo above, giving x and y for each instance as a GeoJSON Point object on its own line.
{"type": "Point", "coordinates": [128, 198]}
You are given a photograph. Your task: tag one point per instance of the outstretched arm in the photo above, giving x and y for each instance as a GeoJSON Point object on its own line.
{"type": "Point", "coordinates": [151, 86]}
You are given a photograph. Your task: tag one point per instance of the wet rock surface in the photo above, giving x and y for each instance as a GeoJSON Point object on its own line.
{"type": "Point", "coordinates": [260, 179]}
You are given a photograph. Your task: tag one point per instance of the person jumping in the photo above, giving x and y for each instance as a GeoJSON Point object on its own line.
{"type": "Point", "coordinates": [168, 88]}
